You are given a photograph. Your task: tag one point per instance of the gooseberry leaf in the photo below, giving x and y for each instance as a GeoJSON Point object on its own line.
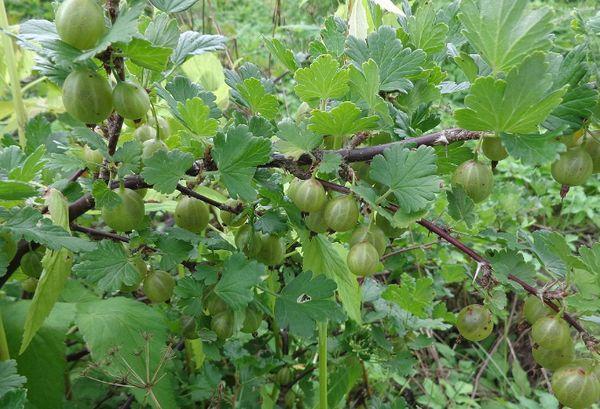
{"type": "Point", "coordinates": [591, 258]}
{"type": "Point", "coordinates": [409, 174]}
{"type": "Point", "coordinates": [271, 222]}
{"type": "Point", "coordinates": [189, 295]}
{"type": "Point", "coordinates": [237, 155]}
{"type": "Point", "coordinates": [396, 63]}
{"type": "Point", "coordinates": [333, 35]}
{"type": "Point", "coordinates": [507, 262]}
{"type": "Point", "coordinates": [15, 190]}
{"type": "Point", "coordinates": [552, 250]}
{"type": "Point", "coordinates": [576, 107]}
{"type": "Point", "coordinates": [195, 114]}
{"type": "Point", "coordinates": [324, 257]}
{"type": "Point", "coordinates": [162, 31]}
{"type": "Point", "coordinates": [284, 55]}
{"type": "Point", "coordinates": [29, 224]}
{"type": "Point", "coordinates": [413, 295]}
{"type": "Point", "coordinates": [9, 377]}
{"type": "Point", "coordinates": [104, 196]}
{"type": "Point", "coordinates": [460, 206]}
{"type": "Point", "coordinates": [240, 275]}
{"type": "Point", "coordinates": [129, 157]}
{"type": "Point", "coordinates": [345, 119]}
{"type": "Point", "coordinates": [322, 80]}
{"type": "Point", "coordinates": [533, 149]}
{"type": "Point", "coordinates": [304, 301]}
{"type": "Point", "coordinates": [364, 86]}
{"type": "Point", "coordinates": [108, 266]}
{"type": "Point", "coordinates": [424, 32]}
{"type": "Point", "coordinates": [255, 97]}
{"type": "Point", "coordinates": [296, 139]}
{"type": "Point", "coordinates": [449, 157]}
{"type": "Point", "coordinates": [503, 32]}
{"type": "Point", "coordinates": [122, 31]}
{"type": "Point", "coordinates": [173, 250]}
{"type": "Point", "coordinates": [164, 169]}
{"type": "Point", "coordinates": [143, 53]}
{"type": "Point", "coordinates": [330, 163]}
{"type": "Point", "coordinates": [173, 6]}
{"type": "Point", "coordinates": [517, 104]}
{"type": "Point", "coordinates": [194, 43]}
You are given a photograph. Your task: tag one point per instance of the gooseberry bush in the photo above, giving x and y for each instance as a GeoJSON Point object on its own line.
{"type": "Point", "coordinates": [176, 234]}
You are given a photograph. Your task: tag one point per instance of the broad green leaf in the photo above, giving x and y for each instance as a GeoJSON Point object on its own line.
{"type": "Point", "coordinates": [591, 258]}
{"type": "Point", "coordinates": [194, 43]}
{"type": "Point", "coordinates": [9, 377]}
{"type": "Point", "coordinates": [284, 55]}
{"type": "Point", "coordinates": [31, 167]}
{"type": "Point", "coordinates": [104, 196]}
{"type": "Point", "coordinates": [10, 158]}
{"type": "Point", "coordinates": [256, 98]}
{"type": "Point", "coordinates": [196, 115]}
{"type": "Point", "coordinates": [425, 32]}
{"type": "Point", "coordinates": [143, 53]}
{"type": "Point", "coordinates": [271, 222]}
{"type": "Point", "coordinates": [333, 35]}
{"type": "Point", "coordinates": [449, 157]}
{"type": "Point", "coordinates": [173, 6]}
{"type": "Point", "coordinates": [29, 224]}
{"type": "Point", "coordinates": [324, 257]}
{"type": "Point", "coordinates": [15, 190]}
{"type": "Point", "coordinates": [189, 295]}
{"type": "Point", "coordinates": [409, 174]}
{"type": "Point", "coordinates": [90, 138]}
{"type": "Point", "coordinates": [207, 71]}
{"type": "Point", "coordinates": [503, 32]}
{"type": "Point", "coordinates": [345, 376]}
{"type": "Point", "coordinates": [37, 131]}
{"type": "Point", "coordinates": [553, 251]}
{"type": "Point", "coordinates": [330, 163]}
{"type": "Point", "coordinates": [239, 277]}
{"type": "Point", "coordinates": [128, 327]}
{"type": "Point", "coordinates": [173, 250]}
{"type": "Point", "coordinates": [109, 267]}
{"type": "Point", "coordinates": [294, 139]}
{"type": "Point", "coordinates": [164, 169]}
{"type": "Point", "coordinates": [515, 105]}
{"type": "Point", "coordinates": [343, 120]}
{"type": "Point", "coordinates": [396, 63]}
{"type": "Point", "coordinates": [364, 86]}
{"type": "Point", "coordinates": [237, 155]}
{"type": "Point", "coordinates": [129, 157]}
{"type": "Point", "coordinates": [162, 31]}
{"type": "Point", "coordinates": [122, 31]}
{"type": "Point", "coordinates": [414, 296]}
{"type": "Point", "coordinates": [43, 363]}
{"type": "Point", "coordinates": [460, 206]}
{"type": "Point", "coordinates": [322, 80]}
{"type": "Point", "coordinates": [533, 149]}
{"type": "Point", "coordinates": [57, 266]}
{"type": "Point", "coordinates": [507, 262]}
{"type": "Point", "coordinates": [576, 107]}
{"type": "Point", "coordinates": [15, 399]}
{"type": "Point", "coordinates": [304, 301]}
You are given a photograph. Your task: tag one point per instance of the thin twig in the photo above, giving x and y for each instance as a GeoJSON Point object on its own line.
{"type": "Point", "coordinates": [409, 248]}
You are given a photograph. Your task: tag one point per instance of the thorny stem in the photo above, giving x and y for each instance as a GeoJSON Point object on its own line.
{"type": "Point", "coordinates": [86, 203]}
